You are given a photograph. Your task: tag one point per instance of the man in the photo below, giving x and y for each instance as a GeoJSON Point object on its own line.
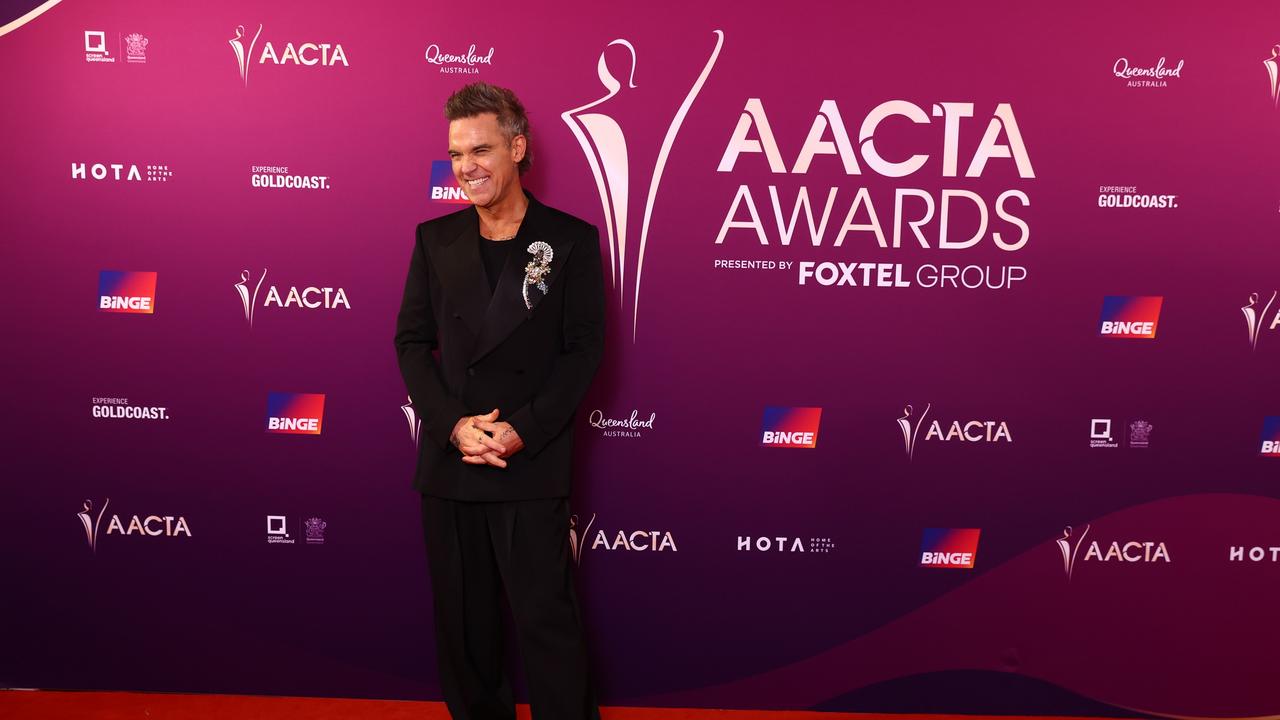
{"type": "Point", "coordinates": [511, 294]}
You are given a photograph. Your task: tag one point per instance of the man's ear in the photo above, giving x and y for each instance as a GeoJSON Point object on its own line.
{"type": "Point", "coordinates": [519, 145]}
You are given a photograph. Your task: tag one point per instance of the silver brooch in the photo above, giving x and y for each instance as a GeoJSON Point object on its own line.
{"type": "Point", "coordinates": [538, 270]}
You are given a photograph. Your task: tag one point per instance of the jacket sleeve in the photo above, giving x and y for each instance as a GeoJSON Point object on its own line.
{"type": "Point", "coordinates": [546, 415]}
{"type": "Point", "coordinates": [416, 340]}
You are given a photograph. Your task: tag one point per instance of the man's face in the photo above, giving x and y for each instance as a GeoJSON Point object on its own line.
{"type": "Point", "coordinates": [483, 161]}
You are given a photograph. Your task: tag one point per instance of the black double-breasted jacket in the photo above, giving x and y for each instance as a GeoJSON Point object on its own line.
{"type": "Point", "coordinates": [465, 351]}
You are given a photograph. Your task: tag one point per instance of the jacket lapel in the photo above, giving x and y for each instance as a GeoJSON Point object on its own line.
{"type": "Point", "coordinates": [461, 272]}
{"type": "Point", "coordinates": [507, 310]}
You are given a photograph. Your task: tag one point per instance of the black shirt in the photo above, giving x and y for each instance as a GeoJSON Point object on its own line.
{"type": "Point", "coordinates": [494, 254]}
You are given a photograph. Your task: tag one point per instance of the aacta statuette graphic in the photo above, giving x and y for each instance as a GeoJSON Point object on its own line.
{"type": "Point", "coordinates": [1254, 318]}
{"type": "Point", "coordinates": [910, 430]}
{"type": "Point", "coordinates": [1273, 71]}
{"type": "Point", "coordinates": [244, 57]}
{"type": "Point", "coordinates": [604, 144]}
{"type": "Point", "coordinates": [415, 422]}
{"type": "Point", "coordinates": [250, 301]}
{"type": "Point", "coordinates": [1070, 549]}
{"type": "Point", "coordinates": [91, 524]}
{"type": "Point", "coordinates": [576, 539]}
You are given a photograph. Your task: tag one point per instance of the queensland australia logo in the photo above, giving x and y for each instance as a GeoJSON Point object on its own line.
{"type": "Point", "coordinates": [1130, 316]}
{"type": "Point", "coordinates": [309, 297]}
{"type": "Point", "coordinates": [631, 426]}
{"type": "Point", "coordinates": [142, 526]}
{"type": "Point", "coordinates": [248, 52]}
{"type": "Point", "coordinates": [127, 291]}
{"type": "Point", "coordinates": [114, 408]}
{"type": "Point", "coordinates": [1074, 539]}
{"type": "Point", "coordinates": [1270, 442]}
{"type": "Point", "coordinates": [279, 177]}
{"type": "Point", "coordinates": [1153, 75]}
{"type": "Point", "coordinates": [120, 172]}
{"type": "Point", "coordinates": [790, 427]}
{"type": "Point", "coordinates": [466, 62]}
{"type": "Point", "coordinates": [444, 184]}
{"type": "Point", "coordinates": [915, 418]}
{"type": "Point", "coordinates": [955, 548]}
{"type": "Point", "coordinates": [291, 413]}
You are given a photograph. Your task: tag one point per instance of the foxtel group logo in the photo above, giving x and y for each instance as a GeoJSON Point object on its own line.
{"type": "Point", "coordinates": [1270, 437]}
{"type": "Point", "coordinates": [444, 184]}
{"type": "Point", "coordinates": [127, 291]}
{"type": "Point", "coordinates": [1130, 316]}
{"type": "Point", "coordinates": [790, 427]}
{"type": "Point", "coordinates": [295, 413]}
{"type": "Point", "coordinates": [955, 548]}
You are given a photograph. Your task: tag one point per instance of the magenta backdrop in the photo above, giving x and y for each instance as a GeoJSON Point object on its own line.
{"type": "Point", "coordinates": [715, 569]}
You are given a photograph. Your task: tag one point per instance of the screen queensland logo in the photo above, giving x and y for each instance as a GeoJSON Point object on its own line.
{"type": "Point", "coordinates": [127, 291]}
{"type": "Point", "coordinates": [1130, 316]}
{"type": "Point", "coordinates": [444, 184]}
{"type": "Point", "coordinates": [955, 548]}
{"type": "Point", "coordinates": [790, 427]}
{"type": "Point", "coordinates": [250, 48]}
{"type": "Point", "coordinates": [290, 413]}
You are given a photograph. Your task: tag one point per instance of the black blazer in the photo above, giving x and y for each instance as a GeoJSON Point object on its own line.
{"type": "Point", "coordinates": [464, 351]}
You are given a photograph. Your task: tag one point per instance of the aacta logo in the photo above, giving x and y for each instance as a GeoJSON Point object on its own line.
{"type": "Point", "coordinates": [123, 291]}
{"type": "Point", "coordinates": [971, 431]}
{"type": "Point", "coordinates": [631, 541]}
{"type": "Point", "coordinates": [150, 526]}
{"type": "Point", "coordinates": [1130, 316]}
{"type": "Point", "coordinates": [1132, 551]}
{"type": "Point", "coordinates": [309, 298]}
{"type": "Point", "coordinates": [295, 413]}
{"type": "Point", "coordinates": [1256, 317]}
{"type": "Point", "coordinates": [955, 548]}
{"type": "Point", "coordinates": [790, 427]}
{"type": "Point", "coordinates": [308, 53]}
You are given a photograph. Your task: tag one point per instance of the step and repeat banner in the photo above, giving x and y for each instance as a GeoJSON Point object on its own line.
{"type": "Point", "coordinates": [940, 372]}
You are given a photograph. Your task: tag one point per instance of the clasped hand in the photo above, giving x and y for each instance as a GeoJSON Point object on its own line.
{"type": "Point", "coordinates": [485, 441]}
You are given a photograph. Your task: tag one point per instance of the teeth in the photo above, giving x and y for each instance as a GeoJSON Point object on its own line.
{"type": "Point", "coordinates": [474, 183]}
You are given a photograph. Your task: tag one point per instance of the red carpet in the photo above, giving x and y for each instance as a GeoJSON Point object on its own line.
{"type": "Point", "coordinates": [49, 705]}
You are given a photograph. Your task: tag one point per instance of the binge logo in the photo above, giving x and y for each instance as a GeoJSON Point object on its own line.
{"type": "Point", "coordinates": [295, 413]}
{"type": "Point", "coordinates": [1130, 316]}
{"type": "Point", "coordinates": [949, 548]}
{"type": "Point", "coordinates": [790, 427]}
{"type": "Point", "coordinates": [1270, 437]}
{"type": "Point", "coordinates": [122, 291]}
{"type": "Point", "coordinates": [444, 186]}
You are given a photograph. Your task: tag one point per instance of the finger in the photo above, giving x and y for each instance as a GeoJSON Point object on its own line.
{"type": "Point", "coordinates": [494, 460]}
{"type": "Point", "coordinates": [490, 416]}
{"type": "Point", "coordinates": [492, 444]}
{"type": "Point", "coordinates": [474, 460]}
{"type": "Point", "coordinates": [491, 427]}
{"type": "Point", "coordinates": [474, 449]}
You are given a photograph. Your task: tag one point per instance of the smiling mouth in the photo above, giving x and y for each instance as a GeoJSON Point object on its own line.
{"type": "Point", "coordinates": [476, 183]}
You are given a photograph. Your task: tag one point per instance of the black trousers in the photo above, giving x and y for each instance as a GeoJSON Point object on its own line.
{"type": "Point", "coordinates": [475, 551]}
